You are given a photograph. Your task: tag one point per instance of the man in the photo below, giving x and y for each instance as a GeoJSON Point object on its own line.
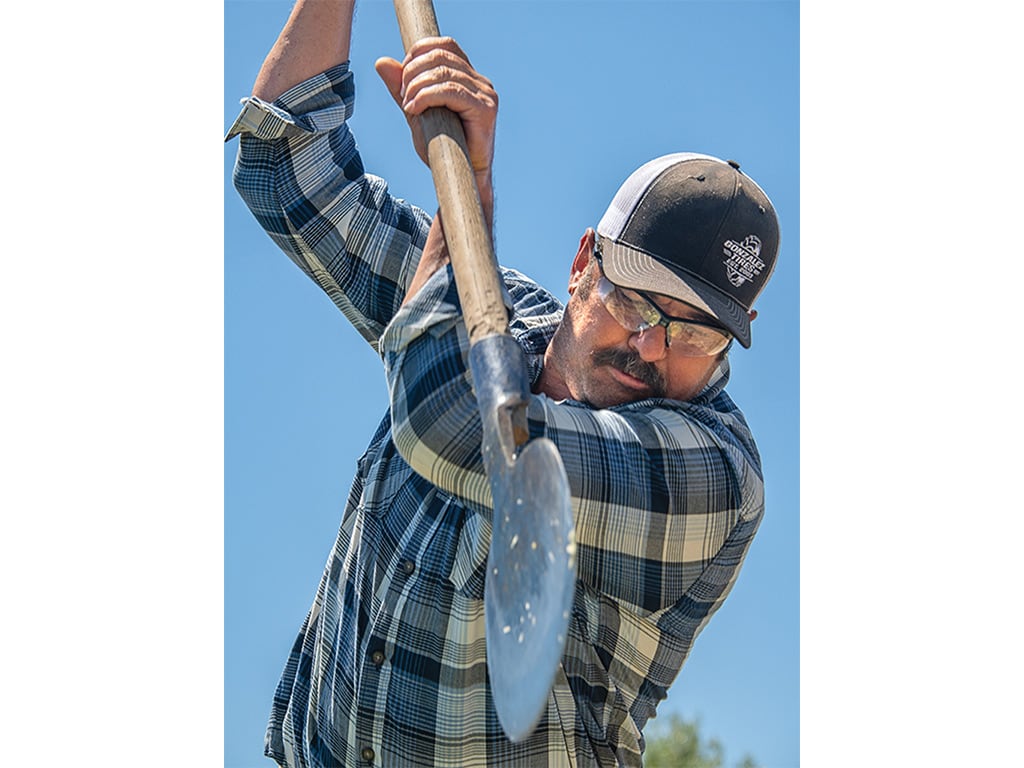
{"type": "Point", "coordinates": [389, 667]}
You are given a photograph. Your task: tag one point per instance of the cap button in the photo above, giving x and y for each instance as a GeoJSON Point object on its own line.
{"type": "Point", "coordinates": [734, 164]}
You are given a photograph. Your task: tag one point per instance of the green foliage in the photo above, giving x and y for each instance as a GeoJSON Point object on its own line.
{"type": "Point", "coordinates": [676, 743]}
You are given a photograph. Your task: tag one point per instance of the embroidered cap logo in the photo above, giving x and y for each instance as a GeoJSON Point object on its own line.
{"type": "Point", "coordinates": [743, 260]}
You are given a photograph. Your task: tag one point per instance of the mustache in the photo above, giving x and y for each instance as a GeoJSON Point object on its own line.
{"type": "Point", "coordinates": [632, 364]}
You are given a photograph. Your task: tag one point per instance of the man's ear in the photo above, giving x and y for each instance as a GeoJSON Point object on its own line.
{"type": "Point", "coordinates": [582, 259]}
{"type": "Point", "coordinates": [752, 314]}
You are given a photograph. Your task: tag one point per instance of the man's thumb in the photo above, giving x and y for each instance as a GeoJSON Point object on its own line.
{"type": "Point", "coordinates": [390, 71]}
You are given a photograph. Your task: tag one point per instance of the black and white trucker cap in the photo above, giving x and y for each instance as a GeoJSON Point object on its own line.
{"type": "Point", "coordinates": [696, 229]}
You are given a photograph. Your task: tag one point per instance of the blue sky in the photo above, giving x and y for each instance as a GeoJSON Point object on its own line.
{"type": "Point", "coordinates": [599, 88]}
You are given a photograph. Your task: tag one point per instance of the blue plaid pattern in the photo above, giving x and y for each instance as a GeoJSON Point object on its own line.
{"type": "Point", "coordinates": [389, 667]}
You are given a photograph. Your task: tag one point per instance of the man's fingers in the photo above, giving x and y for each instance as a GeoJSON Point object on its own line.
{"type": "Point", "coordinates": [444, 87]}
{"type": "Point", "coordinates": [435, 43]}
{"type": "Point", "coordinates": [438, 64]}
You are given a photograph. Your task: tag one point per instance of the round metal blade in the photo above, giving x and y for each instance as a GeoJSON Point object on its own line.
{"type": "Point", "coordinates": [531, 577]}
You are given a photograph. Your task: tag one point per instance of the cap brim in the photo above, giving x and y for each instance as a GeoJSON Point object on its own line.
{"type": "Point", "coordinates": [630, 268]}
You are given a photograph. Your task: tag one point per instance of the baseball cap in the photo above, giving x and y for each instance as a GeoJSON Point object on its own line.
{"type": "Point", "coordinates": [696, 229]}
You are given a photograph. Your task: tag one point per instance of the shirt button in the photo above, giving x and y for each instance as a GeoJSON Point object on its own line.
{"type": "Point", "coordinates": [377, 657]}
{"type": "Point", "coordinates": [408, 567]}
{"type": "Point", "coordinates": [368, 754]}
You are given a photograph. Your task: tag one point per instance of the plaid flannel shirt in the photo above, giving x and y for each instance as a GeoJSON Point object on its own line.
{"type": "Point", "coordinates": [389, 667]}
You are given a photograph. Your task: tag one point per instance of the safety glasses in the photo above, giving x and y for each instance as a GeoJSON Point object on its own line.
{"type": "Point", "coordinates": [636, 312]}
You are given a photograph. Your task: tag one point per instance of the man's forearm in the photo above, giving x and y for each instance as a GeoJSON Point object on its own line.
{"type": "Point", "coordinates": [435, 251]}
{"type": "Point", "coordinates": [315, 38]}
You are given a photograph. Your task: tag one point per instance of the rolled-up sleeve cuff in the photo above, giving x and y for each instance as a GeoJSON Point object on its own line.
{"type": "Point", "coordinates": [321, 103]}
{"type": "Point", "coordinates": [434, 309]}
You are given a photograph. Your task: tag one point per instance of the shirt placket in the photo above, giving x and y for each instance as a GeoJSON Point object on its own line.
{"type": "Point", "coordinates": [376, 660]}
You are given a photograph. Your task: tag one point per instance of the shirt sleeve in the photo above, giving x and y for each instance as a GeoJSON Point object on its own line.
{"type": "Point", "coordinates": [658, 487]}
{"type": "Point", "coordinates": [300, 173]}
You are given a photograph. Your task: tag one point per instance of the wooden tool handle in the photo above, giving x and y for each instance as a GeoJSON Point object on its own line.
{"type": "Point", "coordinates": [465, 230]}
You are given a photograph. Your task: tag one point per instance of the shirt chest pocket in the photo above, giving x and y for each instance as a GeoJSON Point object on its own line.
{"type": "Point", "coordinates": [469, 567]}
{"type": "Point", "coordinates": [382, 473]}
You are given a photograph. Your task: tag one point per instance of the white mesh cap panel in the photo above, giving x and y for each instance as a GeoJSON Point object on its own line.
{"type": "Point", "coordinates": [633, 189]}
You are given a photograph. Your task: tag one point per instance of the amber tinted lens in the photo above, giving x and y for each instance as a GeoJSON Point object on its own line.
{"type": "Point", "coordinates": [696, 340]}
{"type": "Point", "coordinates": [620, 307]}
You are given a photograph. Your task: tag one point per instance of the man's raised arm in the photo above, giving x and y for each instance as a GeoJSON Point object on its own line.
{"type": "Point", "coordinates": [315, 38]}
{"type": "Point", "coordinates": [300, 173]}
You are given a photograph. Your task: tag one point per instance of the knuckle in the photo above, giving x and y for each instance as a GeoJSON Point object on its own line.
{"type": "Point", "coordinates": [452, 45]}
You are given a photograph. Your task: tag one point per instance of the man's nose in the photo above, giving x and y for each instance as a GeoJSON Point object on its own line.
{"type": "Point", "coordinates": [650, 343]}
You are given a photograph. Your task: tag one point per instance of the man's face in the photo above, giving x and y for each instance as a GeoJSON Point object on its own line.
{"type": "Point", "coordinates": [593, 359]}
